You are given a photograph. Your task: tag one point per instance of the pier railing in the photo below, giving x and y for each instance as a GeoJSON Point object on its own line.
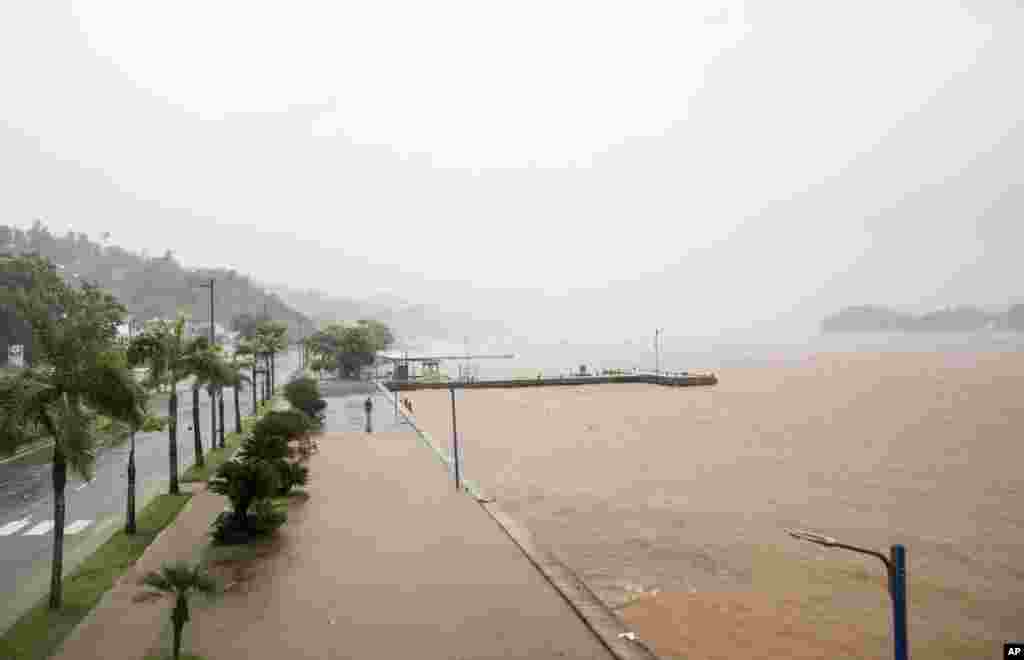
{"type": "Point", "coordinates": [681, 379]}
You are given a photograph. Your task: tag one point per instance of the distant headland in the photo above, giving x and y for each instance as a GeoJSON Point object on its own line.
{"type": "Point", "coordinates": [874, 318]}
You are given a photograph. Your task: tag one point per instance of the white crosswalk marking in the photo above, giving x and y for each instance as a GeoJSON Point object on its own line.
{"type": "Point", "coordinates": [12, 527]}
{"type": "Point", "coordinates": [40, 529]}
{"type": "Point", "coordinates": [77, 526]}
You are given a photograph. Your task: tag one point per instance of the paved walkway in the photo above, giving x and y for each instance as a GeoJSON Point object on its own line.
{"type": "Point", "coordinates": [385, 560]}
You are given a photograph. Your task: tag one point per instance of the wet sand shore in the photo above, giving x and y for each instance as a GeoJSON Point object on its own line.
{"type": "Point", "coordinates": [670, 502]}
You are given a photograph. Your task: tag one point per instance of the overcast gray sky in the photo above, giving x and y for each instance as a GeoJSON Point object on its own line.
{"type": "Point", "coordinates": [697, 165]}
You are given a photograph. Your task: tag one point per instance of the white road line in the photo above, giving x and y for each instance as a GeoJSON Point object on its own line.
{"type": "Point", "coordinates": [77, 526]}
{"type": "Point", "coordinates": [40, 529]}
{"type": "Point", "coordinates": [12, 527]}
{"type": "Point", "coordinates": [83, 485]}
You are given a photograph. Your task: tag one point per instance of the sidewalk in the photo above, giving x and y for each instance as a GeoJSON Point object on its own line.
{"type": "Point", "coordinates": [386, 560]}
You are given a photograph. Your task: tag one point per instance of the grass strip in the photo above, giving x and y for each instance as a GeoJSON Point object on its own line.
{"type": "Point", "coordinates": [213, 459]}
{"type": "Point", "coordinates": [40, 631]}
{"type": "Point", "coordinates": [217, 457]}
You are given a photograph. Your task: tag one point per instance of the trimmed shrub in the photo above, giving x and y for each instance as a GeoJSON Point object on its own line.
{"type": "Point", "coordinates": [288, 424]}
{"type": "Point", "coordinates": [273, 450]}
{"type": "Point", "coordinates": [248, 485]}
{"type": "Point", "coordinates": [304, 394]}
{"type": "Point", "coordinates": [244, 483]}
{"type": "Point", "coordinates": [265, 518]}
{"type": "Point", "coordinates": [263, 447]}
{"type": "Point", "coordinates": [297, 475]}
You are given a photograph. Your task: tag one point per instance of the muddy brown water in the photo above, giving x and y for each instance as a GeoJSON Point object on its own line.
{"type": "Point", "coordinates": [644, 489]}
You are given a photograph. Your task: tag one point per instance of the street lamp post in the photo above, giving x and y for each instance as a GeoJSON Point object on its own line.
{"type": "Point", "coordinates": [217, 394]}
{"type": "Point", "coordinates": [129, 526]}
{"type": "Point", "coordinates": [657, 352]}
{"type": "Point", "coordinates": [895, 566]}
{"type": "Point", "coordinates": [209, 285]}
{"type": "Point", "coordinates": [455, 444]}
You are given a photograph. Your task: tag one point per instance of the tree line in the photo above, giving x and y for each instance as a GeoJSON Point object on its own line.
{"type": "Point", "coordinates": [82, 375]}
{"type": "Point", "coordinates": [347, 348]}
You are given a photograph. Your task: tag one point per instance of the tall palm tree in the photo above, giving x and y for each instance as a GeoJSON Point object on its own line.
{"type": "Point", "coordinates": [219, 377]}
{"type": "Point", "coordinates": [245, 354]}
{"type": "Point", "coordinates": [220, 405]}
{"type": "Point", "coordinates": [79, 374]}
{"type": "Point", "coordinates": [205, 365]}
{"type": "Point", "coordinates": [129, 521]}
{"type": "Point", "coordinates": [274, 338]}
{"type": "Point", "coordinates": [260, 345]}
{"type": "Point", "coordinates": [196, 426]}
{"type": "Point", "coordinates": [180, 579]}
{"type": "Point", "coordinates": [211, 391]}
{"type": "Point", "coordinates": [170, 359]}
{"type": "Point", "coordinates": [237, 376]}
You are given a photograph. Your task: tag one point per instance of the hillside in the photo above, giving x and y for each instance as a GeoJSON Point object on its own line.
{"type": "Point", "coordinates": [159, 287]}
{"type": "Point", "coordinates": [408, 320]}
{"type": "Point", "coordinates": [152, 287]}
{"type": "Point", "coordinates": [872, 318]}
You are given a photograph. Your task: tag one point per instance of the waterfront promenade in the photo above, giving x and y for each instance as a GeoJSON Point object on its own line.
{"type": "Point", "coordinates": [385, 559]}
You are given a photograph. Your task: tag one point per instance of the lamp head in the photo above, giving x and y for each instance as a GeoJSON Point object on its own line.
{"type": "Point", "coordinates": [813, 537]}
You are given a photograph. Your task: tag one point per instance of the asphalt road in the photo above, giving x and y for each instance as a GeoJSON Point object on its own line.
{"type": "Point", "coordinates": [95, 510]}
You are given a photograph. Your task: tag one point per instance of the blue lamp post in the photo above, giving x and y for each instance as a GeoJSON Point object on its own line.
{"type": "Point", "coordinates": [895, 566]}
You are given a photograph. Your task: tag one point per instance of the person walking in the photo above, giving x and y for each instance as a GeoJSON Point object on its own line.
{"type": "Point", "coordinates": [368, 407]}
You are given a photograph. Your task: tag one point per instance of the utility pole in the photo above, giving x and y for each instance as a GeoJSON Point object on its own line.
{"type": "Point", "coordinates": [455, 444]}
{"type": "Point", "coordinates": [216, 394]}
{"type": "Point", "coordinates": [209, 285]}
{"type": "Point", "coordinates": [657, 355]}
{"type": "Point", "coordinates": [129, 526]}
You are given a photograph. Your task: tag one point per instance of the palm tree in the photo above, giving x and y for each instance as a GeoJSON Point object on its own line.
{"type": "Point", "coordinates": [196, 427]}
{"type": "Point", "coordinates": [220, 405]}
{"type": "Point", "coordinates": [261, 346]}
{"type": "Point", "coordinates": [129, 521]}
{"type": "Point", "coordinates": [170, 359]}
{"type": "Point", "coordinates": [274, 339]}
{"type": "Point", "coordinates": [221, 375]}
{"type": "Point", "coordinates": [206, 365]}
{"type": "Point", "coordinates": [245, 354]}
{"type": "Point", "coordinates": [80, 374]}
{"type": "Point", "coordinates": [180, 579]}
{"type": "Point", "coordinates": [211, 391]}
{"type": "Point", "coordinates": [236, 367]}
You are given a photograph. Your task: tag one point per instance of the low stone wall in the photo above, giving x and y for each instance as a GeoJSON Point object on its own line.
{"type": "Point", "coordinates": [671, 381]}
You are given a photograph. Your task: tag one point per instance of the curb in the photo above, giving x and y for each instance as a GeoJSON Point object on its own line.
{"type": "Point", "coordinates": [597, 616]}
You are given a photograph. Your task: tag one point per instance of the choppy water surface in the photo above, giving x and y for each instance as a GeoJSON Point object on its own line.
{"type": "Point", "coordinates": [680, 489]}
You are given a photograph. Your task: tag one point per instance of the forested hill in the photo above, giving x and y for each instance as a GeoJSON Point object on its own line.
{"type": "Point", "coordinates": [409, 321]}
{"type": "Point", "coordinates": [158, 287]}
{"type": "Point", "coordinates": [153, 287]}
{"type": "Point", "coordinates": [872, 318]}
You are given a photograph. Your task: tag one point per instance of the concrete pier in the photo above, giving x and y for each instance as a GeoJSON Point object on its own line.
{"type": "Point", "coordinates": [651, 379]}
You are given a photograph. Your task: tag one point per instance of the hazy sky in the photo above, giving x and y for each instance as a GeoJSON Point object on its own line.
{"type": "Point", "coordinates": [698, 165]}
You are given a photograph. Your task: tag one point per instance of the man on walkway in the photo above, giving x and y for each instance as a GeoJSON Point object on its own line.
{"type": "Point", "coordinates": [368, 406]}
